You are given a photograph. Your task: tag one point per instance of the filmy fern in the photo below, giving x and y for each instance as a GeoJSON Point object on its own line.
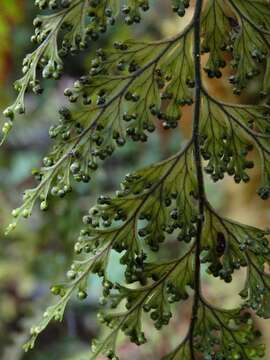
{"type": "Point", "coordinates": [127, 88]}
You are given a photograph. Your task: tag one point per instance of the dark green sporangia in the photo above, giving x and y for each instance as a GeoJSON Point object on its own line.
{"type": "Point", "coordinates": [119, 98]}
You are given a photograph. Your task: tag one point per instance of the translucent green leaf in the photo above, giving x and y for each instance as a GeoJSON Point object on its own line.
{"type": "Point", "coordinates": [229, 331]}
{"type": "Point", "coordinates": [215, 32]}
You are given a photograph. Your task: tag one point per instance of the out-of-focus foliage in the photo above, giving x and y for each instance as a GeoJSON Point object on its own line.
{"type": "Point", "coordinates": [10, 15]}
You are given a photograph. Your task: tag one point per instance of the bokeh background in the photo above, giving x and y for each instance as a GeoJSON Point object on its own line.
{"type": "Point", "coordinates": [38, 252]}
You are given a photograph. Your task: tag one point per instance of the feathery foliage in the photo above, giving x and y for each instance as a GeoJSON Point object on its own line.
{"type": "Point", "coordinates": [128, 86]}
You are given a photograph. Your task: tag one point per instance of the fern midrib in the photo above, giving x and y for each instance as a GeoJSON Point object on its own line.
{"type": "Point", "coordinates": [198, 168]}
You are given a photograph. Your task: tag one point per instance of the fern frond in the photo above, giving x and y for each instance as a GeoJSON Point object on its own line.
{"type": "Point", "coordinates": [91, 132]}
{"type": "Point", "coordinates": [128, 87]}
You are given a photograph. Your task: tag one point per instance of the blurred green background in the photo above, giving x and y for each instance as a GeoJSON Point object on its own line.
{"type": "Point", "coordinates": [40, 250]}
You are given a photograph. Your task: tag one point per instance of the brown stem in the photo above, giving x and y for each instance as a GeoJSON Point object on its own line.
{"type": "Point", "coordinates": [199, 170]}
